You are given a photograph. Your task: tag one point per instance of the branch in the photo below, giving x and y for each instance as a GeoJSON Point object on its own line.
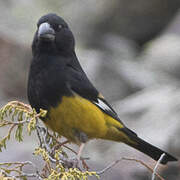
{"type": "Point", "coordinates": [17, 167]}
{"type": "Point", "coordinates": [132, 159]}
{"type": "Point", "coordinates": [57, 165]}
{"type": "Point", "coordinates": [156, 166]}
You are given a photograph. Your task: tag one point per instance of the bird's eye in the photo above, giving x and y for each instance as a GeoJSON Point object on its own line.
{"type": "Point", "coordinates": [60, 26]}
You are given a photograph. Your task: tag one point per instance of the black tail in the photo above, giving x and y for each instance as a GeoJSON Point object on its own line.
{"type": "Point", "coordinates": [141, 145]}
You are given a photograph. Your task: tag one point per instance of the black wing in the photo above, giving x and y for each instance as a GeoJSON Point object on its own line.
{"type": "Point", "coordinates": [80, 84]}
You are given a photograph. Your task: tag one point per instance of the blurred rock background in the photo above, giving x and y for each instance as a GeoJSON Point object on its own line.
{"type": "Point", "coordinates": [131, 52]}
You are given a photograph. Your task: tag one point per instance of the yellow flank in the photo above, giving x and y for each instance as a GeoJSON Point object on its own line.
{"type": "Point", "coordinates": [77, 114]}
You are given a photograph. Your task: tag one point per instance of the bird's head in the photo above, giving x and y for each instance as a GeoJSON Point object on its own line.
{"type": "Point", "coordinates": [53, 35]}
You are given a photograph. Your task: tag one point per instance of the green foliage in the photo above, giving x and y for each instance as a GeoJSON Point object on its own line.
{"type": "Point", "coordinates": [59, 171]}
{"type": "Point", "coordinates": [18, 116]}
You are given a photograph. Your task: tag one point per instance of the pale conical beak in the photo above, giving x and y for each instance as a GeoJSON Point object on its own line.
{"type": "Point", "coordinates": [45, 32]}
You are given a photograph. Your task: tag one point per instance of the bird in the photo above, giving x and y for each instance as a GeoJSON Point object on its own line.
{"type": "Point", "coordinates": [75, 108]}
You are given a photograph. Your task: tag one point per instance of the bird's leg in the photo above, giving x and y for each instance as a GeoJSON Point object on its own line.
{"type": "Point", "coordinates": [80, 151]}
{"type": "Point", "coordinates": [81, 138]}
{"type": "Point", "coordinates": [75, 161]}
{"type": "Point", "coordinates": [78, 157]}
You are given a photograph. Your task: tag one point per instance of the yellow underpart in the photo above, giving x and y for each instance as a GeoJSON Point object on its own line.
{"type": "Point", "coordinates": [79, 114]}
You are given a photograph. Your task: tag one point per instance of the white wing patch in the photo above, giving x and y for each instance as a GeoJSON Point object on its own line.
{"type": "Point", "coordinates": [102, 105]}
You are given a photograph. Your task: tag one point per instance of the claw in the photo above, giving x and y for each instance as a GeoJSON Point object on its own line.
{"type": "Point", "coordinates": [71, 163]}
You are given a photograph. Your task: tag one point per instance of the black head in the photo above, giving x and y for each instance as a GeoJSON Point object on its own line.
{"type": "Point", "coordinates": [53, 35]}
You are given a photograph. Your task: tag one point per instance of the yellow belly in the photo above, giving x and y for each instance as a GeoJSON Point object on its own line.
{"type": "Point", "coordinates": [77, 113]}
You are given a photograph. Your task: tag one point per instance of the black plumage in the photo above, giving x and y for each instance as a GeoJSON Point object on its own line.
{"type": "Point", "coordinates": [58, 84]}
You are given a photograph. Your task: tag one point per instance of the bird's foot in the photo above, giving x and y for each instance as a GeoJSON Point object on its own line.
{"type": "Point", "coordinates": [75, 163]}
{"type": "Point", "coordinates": [71, 163]}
